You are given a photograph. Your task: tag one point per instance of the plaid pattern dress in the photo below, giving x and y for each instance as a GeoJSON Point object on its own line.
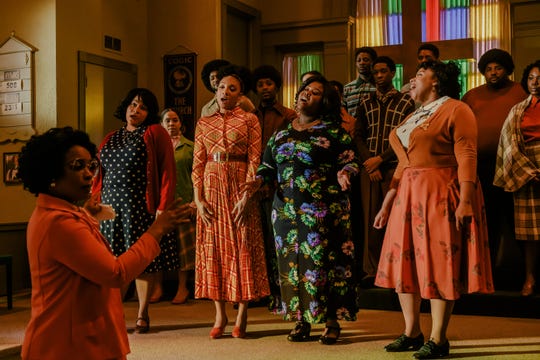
{"type": "Point", "coordinates": [230, 259]}
{"type": "Point", "coordinates": [517, 164]}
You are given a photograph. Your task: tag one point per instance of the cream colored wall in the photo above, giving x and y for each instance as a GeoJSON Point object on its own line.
{"type": "Point", "coordinates": [178, 26]}
{"type": "Point", "coordinates": [59, 29]}
{"type": "Point", "coordinates": [81, 26]}
{"type": "Point", "coordinates": [34, 22]}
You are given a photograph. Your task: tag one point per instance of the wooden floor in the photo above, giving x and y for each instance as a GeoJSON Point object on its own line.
{"type": "Point", "coordinates": [181, 332]}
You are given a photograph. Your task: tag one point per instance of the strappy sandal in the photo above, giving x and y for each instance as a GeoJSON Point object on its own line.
{"type": "Point", "coordinates": [333, 330]}
{"type": "Point", "coordinates": [300, 332]}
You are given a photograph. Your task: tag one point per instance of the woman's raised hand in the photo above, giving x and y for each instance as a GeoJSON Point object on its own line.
{"type": "Point", "coordinates": [169, 219]}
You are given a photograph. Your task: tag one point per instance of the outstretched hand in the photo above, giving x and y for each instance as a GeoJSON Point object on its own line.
{"type": "Point", "coordinates": [176, 214]}
{"type": "Point", "coordinates": [92, 205]}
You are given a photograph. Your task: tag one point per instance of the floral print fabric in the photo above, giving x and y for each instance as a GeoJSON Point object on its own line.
{"type": "Point", "coordinates": [310, 216]}
{"type": "Point", "coordinates": [423, 252]}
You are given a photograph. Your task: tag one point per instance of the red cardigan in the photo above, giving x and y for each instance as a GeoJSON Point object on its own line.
{"type": "Point", "coordinates": [160, 168]}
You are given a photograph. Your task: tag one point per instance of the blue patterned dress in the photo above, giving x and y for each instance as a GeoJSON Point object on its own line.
{"type": "Point", "coordinates": [311, 221]}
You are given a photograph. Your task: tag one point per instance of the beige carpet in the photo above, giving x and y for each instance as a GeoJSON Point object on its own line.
{"type": "Point", "coordinates": [181, 332]}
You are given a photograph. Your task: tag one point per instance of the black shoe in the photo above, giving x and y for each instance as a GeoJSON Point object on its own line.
{"type": "Point", "coordinates": [325, 339]}
{"type": "Point", "coordinates": [405, 343]}
{"type": "Point", "coordinates": [300, 332]}
{"type": "Point", "coordinates": [145, 327]}
{"type": "Point", "coordinates": [430, 350]}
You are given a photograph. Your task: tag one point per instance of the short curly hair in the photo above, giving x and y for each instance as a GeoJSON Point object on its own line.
{"type": "Point", "coordinates": [242, 73]}
{"type": "Point", "coordinates": [385, 60]}
{"type": "Point", "coordinates": [366, 49]}
{"type": "Point", "coordinates": [525, 75]}
{"type": "Point", "coordinates": [429, 47]}
{"type": "Point", "coordinates": [331, 104]}
{"type": "Point", "coordinates": [447, 75]}
{"type": "Point", "coordinates": [498, 56]}
{"type": "Point", "coordinates": [267, 72]}
{"type": "Point", "coordinates": [42, 159]}
{"type": "Point", "coordinates": [149, 100]}
{"type": "Point", "coordinates": [213, 65]}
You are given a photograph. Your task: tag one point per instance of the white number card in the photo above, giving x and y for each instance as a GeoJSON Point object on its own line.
{"type": "Point", "coordinates": [11, 109]}
{"type": "Point", "coordinates": [12, 85]}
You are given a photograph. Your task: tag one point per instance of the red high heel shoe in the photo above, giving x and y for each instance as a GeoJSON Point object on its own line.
{"type": "Point", "coordinates": [238, 333]}
{"type": "Point", "coordinates": [217, 332]}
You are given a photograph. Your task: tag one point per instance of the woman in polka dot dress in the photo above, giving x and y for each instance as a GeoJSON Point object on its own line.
{"type": "Point", "coordinates": [138, 178]}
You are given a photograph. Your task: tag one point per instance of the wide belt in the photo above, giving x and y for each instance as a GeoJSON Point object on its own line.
{"type": "Point", "coordinates": [225, 156]}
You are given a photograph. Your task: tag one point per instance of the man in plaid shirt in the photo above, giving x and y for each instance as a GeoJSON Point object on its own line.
{"type": "Point", "coordinates": [376, 115]}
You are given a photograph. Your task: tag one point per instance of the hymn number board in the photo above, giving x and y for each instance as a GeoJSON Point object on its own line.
{"type": "Point", "coordinates": [16, 90]}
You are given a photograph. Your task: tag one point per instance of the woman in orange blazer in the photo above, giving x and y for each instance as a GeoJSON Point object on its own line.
{"type": "Point", "coordinates": [76, 303]}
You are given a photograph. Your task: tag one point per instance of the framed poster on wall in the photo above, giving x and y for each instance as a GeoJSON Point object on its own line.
{"type": "Point", "coordinates": [11, 168]}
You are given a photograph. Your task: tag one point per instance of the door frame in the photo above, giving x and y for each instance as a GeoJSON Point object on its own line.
{"type": "Point", "coordinates": [87, 58]}
{"type": "Point", "coordinates": [253, 16]}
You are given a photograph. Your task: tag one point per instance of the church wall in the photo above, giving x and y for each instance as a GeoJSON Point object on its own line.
{"type": "Point", "coordinates": [273, 12]}
{"type": "Point", "coordinates": [58, 29]}
{"type": "Point", "coordinates": [184, 26]}
{"type": "Point", "coordinates": [324, 24]}
{"type": "Point", "coordinates": [81, 26]}
{"type": "Point", "coordinates": [32, 21]}
{"type": "Point", "coordinates": [526, 35]}
{"type": "Point", "coordinates": [331, 34]}
{"type": "Point", "coordinates": [179, 27]}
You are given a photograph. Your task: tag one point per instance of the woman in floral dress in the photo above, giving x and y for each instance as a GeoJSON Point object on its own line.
{"type": "Point", "coordinates": [312, 160]}
{"type": "Point", "coordinates": [229, 261]}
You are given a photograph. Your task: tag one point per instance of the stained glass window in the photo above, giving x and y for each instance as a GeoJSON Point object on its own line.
{"type": "Point", "coordinates": [380, 23]}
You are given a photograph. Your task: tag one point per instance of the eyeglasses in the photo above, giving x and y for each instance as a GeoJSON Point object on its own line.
{"type": "Point", "coordinates": [81, 164]}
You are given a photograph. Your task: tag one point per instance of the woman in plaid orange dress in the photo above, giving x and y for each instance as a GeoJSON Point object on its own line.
{"type": "Point", "coordinates": [230, 263]}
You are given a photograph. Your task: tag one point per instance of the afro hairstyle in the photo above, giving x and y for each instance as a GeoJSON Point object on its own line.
{"type": "Point", "coordinates": [267, 72]}
{"type": "Point", "coordinates": [213, 65]}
